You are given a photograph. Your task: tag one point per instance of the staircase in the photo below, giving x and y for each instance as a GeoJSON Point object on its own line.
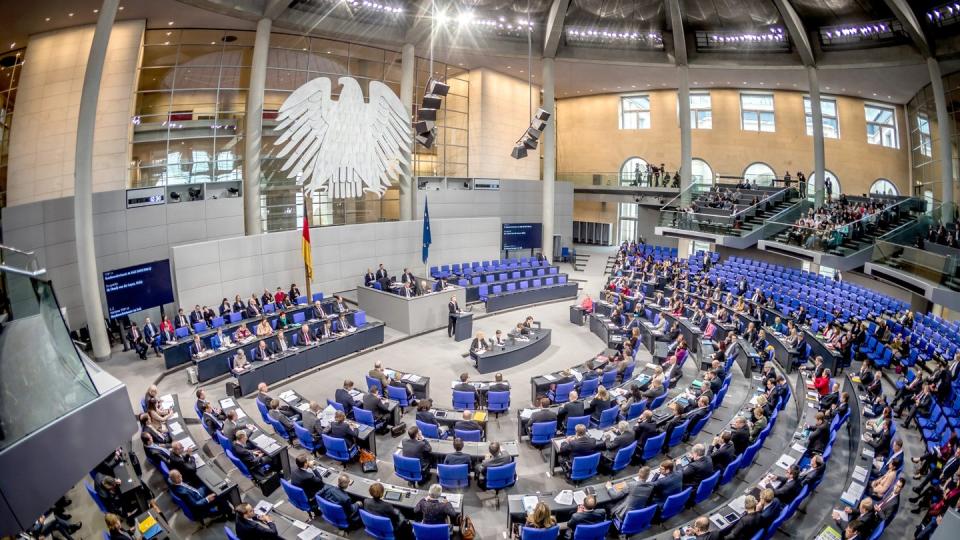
{"type": "Point", "coordinates": [850, 246]}
{"type": "Point", "coordinates": [757, 220]}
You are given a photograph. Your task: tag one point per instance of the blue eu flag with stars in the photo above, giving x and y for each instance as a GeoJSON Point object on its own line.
{"type": "Point", "coordinates": [426, 231]}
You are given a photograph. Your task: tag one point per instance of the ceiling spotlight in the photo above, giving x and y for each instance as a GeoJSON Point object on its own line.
{"type": "Point", "coordinates": [96, 11]}
{"type": "Point", "coordinates": [47, 19]}
{"type": "Point", "coordinates": [120, 8]}
{"type": "Point", "coordinates": [441, 17]}
{"type": "Point", "coordinates": [69, 14]}
{"type": "Point", "coordinates": [174, 196]}
{"type": "Point", "coordinates": [194, 193]}
{"type": "Point", "coordinates": [465, 17]}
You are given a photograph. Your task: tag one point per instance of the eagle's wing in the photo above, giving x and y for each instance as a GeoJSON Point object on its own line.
{"type": "Point", "coordinates": [387, 136]}
{"type": "Point", "coordinates": [304, 121]}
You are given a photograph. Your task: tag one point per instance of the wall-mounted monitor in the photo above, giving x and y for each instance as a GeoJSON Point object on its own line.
{"type": "Point", "coordinates": [517, 236]}
{"type": "Point", "coordinates": [136, 288]}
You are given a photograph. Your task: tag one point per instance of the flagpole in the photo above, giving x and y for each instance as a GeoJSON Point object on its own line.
{"type": "Point", "coordinates": [306, 268]}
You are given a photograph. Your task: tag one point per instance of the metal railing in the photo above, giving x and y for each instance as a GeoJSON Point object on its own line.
{"type": "Point", "coordinates": [626, 179]}
{"type": "Point", "coordinates": [714, 223]}
{"type": "Point", "coordinates": [825, 239]}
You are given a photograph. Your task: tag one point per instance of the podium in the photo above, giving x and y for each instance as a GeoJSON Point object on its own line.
{"type": "Point", "coordinates": [464, 328]}
{"type": "Point", "coordinates": [577, 315]}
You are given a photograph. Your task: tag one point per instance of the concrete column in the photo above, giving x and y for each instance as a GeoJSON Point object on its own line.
{"type": "Point", "coordinates": [686, 144]}
{"type": "Point", "coordinates": [253, 134]}
{"type": "Point", "coordinates": [549, 158]}
{"type": "Point", "coordinates": [819, 169]}
{"type": "Point", "coordinates": [943, 131]}
{"type": "Point", "coordinates": [83, 182]}
{"type": "Point", "coordinates": [408, 187]}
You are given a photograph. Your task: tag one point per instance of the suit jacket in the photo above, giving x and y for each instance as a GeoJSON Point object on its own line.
{"type": "Point", "coordinates": [744, 529]}
{"type": "Point", "coordinates": [195, 350]}
{"type": "Point", "coordinates": [579, 446]}
{"type": "Point", "coordinates": [150, 331]}
{"type": "Point", "coordinates": [770, 512]}
{"type": "Point", "coordinates": [408, 278]}
{"type": "Point", "coordinates": [374, 404]}
{"type": "Point", "coordinates": [254, 529]}
{"type": "Point", "coordinates": [496, 461]}
{"type": "Point", "coordinates": [457, 458]}
{"type": "Point", "coordinates": [311, 423]}
{"type": "Point", "coordinates": [181, 321]}
{"type": "Point", "coordinates": [342, 430]}
{"type": "Point", "coordinates": [542, 415]}
{"type": "Point", "coordinates": [667, 485]}
{"type": "Point", "coordinates": [186, 465]}
{"type": "Point", "coordinates": [477, 344]}
{"type": "Point", "coordinates": [643, 431]}
{"type": "Point", "coordinates": [421, 450]}
{"type": "Point", "coordinates": [369, 278]}
{"type": "Point", "coordinates": [819, 437]}
{"type": "Point", "coordinates": [788, 490]}
{"type": "Point", "coordinates": [499, 387]}
{"type": "Point", "coordinates": [159, 437]}
{"type": "Point", "coordinates": [697, 471]}
{"type": "Point", "coordinates": [337, 496]}
{"type": "Point", "coordinates": [810, 476]}
{"type": "Point", "coordinates": [467, 425]}
{"type": "Point", "coordinates": [881, 443]}
{"type": "Point", "coordinates": [383, 509]}
{"type": "Point", "coordinates": [435, 511]}
{"type": "Point", "coordinates": [259, 355]}
{"type": "Point", "coordinates": [196, 316]}
{"type": "Point", "coordinates": [620, 441]}
{"type": "Point", "coordinates": [598, 406]}
{"type": "Point", "coordinates": [343, 397]}
{"type": "Point", "coordinates": [637, 498]}
{"type": "Point", "coordinates": [587, 517]}
{"type": "Point", "coordinates": [740, 439]}
{"type": "Point", "coordinates": [156, 453]}
{"type": "Point", "coordinates": [211, 422]}
{"type": "Point", "coordinates": [309, 480]}
{"type": "Point", "coordinates": [195, 498]}
{"type": "Point", "coordinates": [381, 273]}
{"type": "Point", "coordinates": [721, 456]}
{"type": "Point", "coordinates": [427, 417]}
{"type": "Point", "coordinates": [244, 453]}
{"type": "Point", "coordinates": [253, 310]}
{"type": "Point", "coordinates": [453, 307]}
{"type": "Point", "coordinates": [467, 387]}
{"type": "Point", "coordinates": [229, 429]}
{"type": "Point", "coordinates": [283, 419]}
{"type": "Point", "coordinates": [571, 409]}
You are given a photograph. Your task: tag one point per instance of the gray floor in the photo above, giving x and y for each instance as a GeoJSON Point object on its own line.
{"type": "Point", "coordinates": [436, 356]}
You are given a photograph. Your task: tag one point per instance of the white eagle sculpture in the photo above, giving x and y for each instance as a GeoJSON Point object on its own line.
{"type": "Point", "coordinates": [344, 147]}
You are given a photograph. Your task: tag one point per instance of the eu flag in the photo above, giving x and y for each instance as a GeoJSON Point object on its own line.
{"type": "Point", "coordinates": [426, 231]}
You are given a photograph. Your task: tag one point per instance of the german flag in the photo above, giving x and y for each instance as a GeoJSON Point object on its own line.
{"type": "Point", "coordinates": [307, 257]}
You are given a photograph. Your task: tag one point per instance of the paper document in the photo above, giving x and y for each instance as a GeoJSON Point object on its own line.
{"type": "Point", "coordinates": [786, 460]}
{"type": "Point", "coordinates": [241, 414]}
{"type": "Point", "coordinates": [263, 507]}
{"type": "Point", "coordinates": [175, 428]}
{"type": "Point", "coordinates": [227, 403]}
{"type": "Point", "coordinates": [299, 524]}
{"type": "Point", "coordinates": [799, 447]}
{"type": "Point", "coordinates": [579, 496]}
{"type": "Point", "coordinates": [309, 533]}
{"type": "Point", "coordinates": [565, 497]}
{"type": "Point", "coordinates": [737, 505]}
{"type": "Point", "coordinates": [529, 502]}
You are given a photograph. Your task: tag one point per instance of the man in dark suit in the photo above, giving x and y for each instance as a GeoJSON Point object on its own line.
{"type": "Point", "coordinates": [700, 530]}
{"type": "Point", "coordinates": [499, 385]}
{"type": "Point", "coordinates": [457, 457]}
{"type": "Point", "coordinates": [274, 413]}
{"type": "Point", "coordinates": [543, 414]}
{"type": "Point", "coordinates": [344, 398]}
{"type": "Point", "coordinates": [638, 497]}
{"type": "Point", "coordinates": [250, 526]}
{"type": "Point", "coordinates": [369, 278]}
{"type": "Point", "coordinates": [812, 474]}
{"type": "Point", "coordinates": [340, 429]}
{"type": "Point", "coordinates": [454, 308]}
{"type": "Point", "coordinates": [467, 423]}
{"type": "Point", "coordinates": [381, 272]}
{"type": "Point", "coordinates": [253, 309]}
{"type": "Point", "coordinates": [921, 405]}
{"type": "Point", "coordinates": [311, 421]}
{"type": "Point", "coordinates": [108, 489]}
{"type": "Point", "coordinates": [337, 494]}
{"type": "Point", "coordinates": [196, 315]}
{"type": "Point", "coordinates": [181, 320]}
{"type": "Point", "coordinates": [183, 461]}
{"type": "Point", "coordinates": [699, 468]}
{"type": "Point", "coordinates": [721, 451]}
{"type": "Point", "coordinates": [155, 453]}
{"type": "Point", "coordinates": [136, 339]}
{"type": "Point", "coordinates": [307, 478]}
{"type": "Point", "coordinates": [407, 290]}
{"type": "Point", "coordinates": [248, 453]}
{"type": "Point", "coordinates": [159, 437]}
{"type": "Point", "coordinates": [573, 408]}
{"type": "Point", "coordinates": [230, 426]}
{"type": "Point", "coordinates": [580, 444]}
{"type": "Point", "coordinates": [887, 507]}
{"type": "Point", "coordinates": [645, 429]}
{"type": "Point", "coordinates": [669, 482]}
{"type": "Point", "coordinates": [150, 333]}
{"type": "Point", "coordinates": [465, 386]}
{"type": "Point", "coordinates": [415, 446]}
{"type": "Point", "coordinates": [209, 419]}
{"type": "Point", "coordinates": [619, 437]}
{"type": "Point", "coordinates": [373, 403]}
{"type": "Point", "coordinates": [740, 435]}
{"type": "Point", "coordinates": [494, 458]}
{"type": "Point", "coordinates": [770, 507]}
{"type": "Point", "coordinates": [317, 312]}
{"type": "Point", "coordinates": [697, 414]}
{"type": "Point", "coordinates": [339, 306]}
{"type": "Point", "coordinates": [263, 351]}
{"type": "Point", "coordinates": [789, 486]}
{"type": "Point", "coordinates": [201, 503]}
{"type": "Point", "coordinates": [408, 277]}
{"type": "Point", "coordinates": [881, 441]}
{"type": "Point", "coordinates": [749, 523]}
{"type": "Point", "coordinates": [819, 436]}
{"type": "Point", "coordinates": [586, 514]}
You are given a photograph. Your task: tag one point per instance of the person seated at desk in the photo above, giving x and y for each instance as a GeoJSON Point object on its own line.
{"type": "Point", "coordinates": [341, 325]}
{"type": "Point", "coordinates": [196, 315]}
{"type": "Point", "coordinates": [457, 457]}
{"type": "Point", "coordinates": [369, 278]}
{"type": "Point", "coordinates": [656, 388]}
{"type": "Point", "coordinates": [637, 498]}
{"type": "Point", "coordinates": [373, 402]}
{"type": "Point", "coordinates": [578, 445]}
{"type": "Point", "coordinates": [209, 419]}
{"type": "Point", "coordinates": [341, 429]}
{"type": "Point", "coordinates": [263, 394]}
{"type": "Point", "coordinates": [238, 306]}
{"type": "Point", "coordinates": [108, 489]}
{"type": "Point", "coordinates": [282, 321]}
{"type": "Point", "coordinates": [739, 434]}
{"type": "Point", "coordinates": [304, 337]}
{"type": "Point", "coordinates": [158, 431]}
{"type": "Point", "coordinates": [250, 526]}
{"type": "Point", "coordinates": [264, 328]}
{"type": "Point", "coordinates": [758, 424]}
{"type": "Point", "coordinates": [601, 402]}
{"type": "Point", "coordinates": [619, 437]}
{"type": "Point", "coordinates": [240, 362]}
{"type": "Point", "coordinates": [209, 315]}
{"type": "Point", "coordinates": [667, 481]}
{"type": "Point", "coordinates": [281, 299]}
{"type": "Point", "coordinates": [407, 291]}
{"type": "Point", "coordinates": [273, 411]}
{"type": "Point", "coordinates": [324, 330]}
{"type": "Point", "coordinates": [380, 374]}
{"type": "Point", "coordinates": [167, 330]}
{"type": "Point", "coordinates": [415, 446]}
{"type": "Point", "coordinates": [182, 321]}
{"type": "Point", "coordinates": [722, 451]}
{"type": "Point", "coordinates": [337, 494]}
{"type": "Point", "coordinates": [675, 421]}
{"type": "Point", "coordinates": [435, 509]}
{"type": "Point", "coordinates": [787, 486]}
{"type": "Point", "coordinates": [306, 477]}
{"type": "Point", "coordinates": [115, 528]}
{"type": "Point", "coordinates": [184, 461]}
{"type": "Point", "coordinates": [378, 507]}
{"type": "Point", "coordinates": [494, 458]}
{"type": "Point", "coordinates": [201, 503]}
{"type": "Point", "coordinates": [587, 304]}
{"type": "Point", "coordinates": [499, 385]}
{"type": "Point", "coordinates": [253, 309]}
{"type": "Point", "coordinates": [465, 386]}
{"type": "Point", "coordinates": [136, 339]}
{"type": "Point", "coordinates": [543, 414]}
{"type": "Point", "coordinates": [395, 382]}
{"type": "Point", "coordinates": [830, 399]}
{"type": "Point", "coordinates": [344, 397]}
{"type": "Point", "coordinates": [339, 306]}
{"type": "Point", "coordinates": [230, 426]}
{"type": "Point", "coordinates": [263, 351]}
{"type": "Point", "coordinates": [317, 312]}
{"type": "Point", "coordinates": [699, 468]}
{"type": "Point", "coordinates": [540, 517]}
{"type": "Point", "coordinates": [197, 348]}
{"type": "Point", "coordinates": [586, 514]}
{"type": "Point", "coordinates": [225, 308]}
{"type": "Point", "coordinates": [479, 345]}
{"type": "Point", "coordinates": [408, 277]}
{"type": "Point", "coordinates": [425, 415]}
{"type": "Point", "coordinates": [520, 333]}
{"type": "Point", "coordinates": [467, 423]}
{"type": "Point", "coordinates": [266, 298]}
{"type": "Point", "coordinates": [748, 524]}
{"type": "Point", "coordinates": [248, 453]}
{"type": "Point", "coordinates": [573, 408]}
{"type": "Point", "coordinates": [440, 285]}
{"type": "Point", "coordinates": [220, 340]}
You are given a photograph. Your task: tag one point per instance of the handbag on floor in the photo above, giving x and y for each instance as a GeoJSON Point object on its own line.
{"type": "Point", "coordinates": [398, 429]}
{"type": "Point", "coordinates": [368, 461]}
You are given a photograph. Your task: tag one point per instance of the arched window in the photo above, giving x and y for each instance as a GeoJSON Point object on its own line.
{"type": "Point", "coordinates": [628, 171]}
{"type": "Point", "coordinates": [760, 174]}
{"type": "Point", "coordinates": [829, 177]}
{"type": "Point", "coordinates": [700, 172]}
{"type": "Point", "coordinates": [882, 186]}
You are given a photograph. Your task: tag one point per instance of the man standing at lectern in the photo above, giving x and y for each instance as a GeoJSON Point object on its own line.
{"type": "Point", "coordinates": [452, 318]}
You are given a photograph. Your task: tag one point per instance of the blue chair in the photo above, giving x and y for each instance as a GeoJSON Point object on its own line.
{"type": "Point", "coordinates": [223, 441]}
{"type": "Point", "coordinates": [573, 421]}
{"type": "Point", "coordinates": [674, 504]}
{"type": "Point", "coordinates": [562, 392]}
{"type": "Point", "coordinates": [608, 418]}
{"type": "Point", "coordinates": [699, 426]}
{"type": "Point", "coordinates": [408, 468]}
{"type": "Point", "coordinates": [468, 436]}
{"type": "Point", "coordinates": [676, 436]}
{"type": "Point", "coordinates": [636, 521]}
{"type": "Point", "coordinates": [181, 332]}
{"type": "Point", "coordinates": [235, 317]}
{"type": "Point", "coordinates": [429, 431]}
{"type": "Point", "coordinates": [750, 454]}
{"type": "Point", "coordinates": [200, 327]}
{"type": "Point", "coordinates": [439, 531]}
{"type": "Point", "coordinates": [298, 498]}
{"type": "Point", "coordinates": [454, 476]}
{"type": "Point", "coordinates": [528, 533]}
{"type": "Point", "coordinates": [187, 511]}
{"type": "Point", "coordinates": [706, 488]}
{"type": "Point", "coordinates": [364, 417]}
{"type": "Point", "coordinates": [730, 471]}
{"type": "Point", "coordinates": [501, 477]}
{"type": "Point", "coordinates": [264, 412]}
{"type": "Point", "coordinates": [281, 430]}
{"type": "Point", "coordinates": [623, 457]}
{"type": "Point", "coordinates": [241, 466]}
{"type": "Point", "coordinates": [378, 527]}
{"type": "Point", "coordinates": [596, 531]}
{"type": "Point", "coordinates": [372, 383]}
{"type": "Point", "coordinates": [498, 402]}
{"type": "Point", "coordinates": [304, 436]}
{"type": "Point", "coordinates": [227, 530]}
{"type": "Point", "coordinates": [96, 498]}
{"type": "Point", "coordinates": [589, 387]}
{"type": "Point", "coordinates": [542, 432]}
{"type": "Point", "coordinates": [635, 410]}
{"type": "Point", "coordinates": [336, 449]}
{"type": "Point", "coordinates": [399, 395]}
{"type": "Point", "coordinates": [584, 467]}
{"type": "Point", "coordinates": [609, 378]}
{"type": "Point", "coordinates": [333, 513]}
{"type": "Point", "coordinates": [653, 446]}
{"type": "Point", "coordinates": [464, 400]}
{"type": "Point", "coordinates": [218, 322]}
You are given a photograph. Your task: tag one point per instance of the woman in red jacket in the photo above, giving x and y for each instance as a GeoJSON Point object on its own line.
{"type": "Point", "coordinates": [822, 383]}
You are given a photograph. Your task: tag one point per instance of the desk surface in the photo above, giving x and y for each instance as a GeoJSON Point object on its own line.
{"type": "Point", "coordinates": [213, 479]}
{"type": "Point", "coordinates": [517, 350]}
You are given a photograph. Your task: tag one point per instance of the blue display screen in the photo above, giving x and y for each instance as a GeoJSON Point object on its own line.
{"type": "Point", "coordinates": [517, 236]}
{"type": "Point", "coordinates": [136, 288]}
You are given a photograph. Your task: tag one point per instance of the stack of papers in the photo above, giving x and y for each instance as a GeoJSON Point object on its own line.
{"type": "Point", "coordinates": [550, 377]}
{"type": "Point", "coordinates": [799, 447]}
{"type": "Point", "coordinates": [565, 497]}
{"type": "Point", "coordinates": [188, 444]}
{"type": "Point", "coordinates": [529, 502]}
{"type": "Point", "coordinates": [853, 494]}
{"type": "Point", "coordinates": [785, 461]}
{"type": "Point", "coordinates": [227, 403]}
{"type": "Point", "coordinates": [175, 428]}
{"type": "Point", "coordinates": [859, 474]}
{"type": "Point", "coordinates": [262, 508]}
{"type": "Point", "coordinates": [738, 505]}
{"type": "Point", "coordinates": [289, 395]}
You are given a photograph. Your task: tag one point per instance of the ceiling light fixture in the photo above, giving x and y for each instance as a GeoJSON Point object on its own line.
{"type": "Point", "coordinates": [69, 14]}
{"type": "Point", "coordinates": [169, 23]}
{"type": "Point", "coordinates": [47, 19]}
{"type": "Point", "coordinates": [96, 10]}
{"type": "Point", "coordinates": [120, 8]}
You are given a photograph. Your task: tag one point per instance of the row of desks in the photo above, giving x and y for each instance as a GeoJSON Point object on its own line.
{"type": "Point", "coordinates": [523, 297]}
{"type": "Point", "coordinates": [515, 352]}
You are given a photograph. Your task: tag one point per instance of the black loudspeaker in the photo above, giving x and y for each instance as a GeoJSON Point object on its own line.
{"type": "Point", "coordinates": [427, 114]}
{"type": "Point", "coordinates": [431, 102]}
{"type": "Point", "coordinates": [519, 152]}
{"type": "Point", "coordinates": [530, 143]}
{"type": "Point", "coordinates": [437, 88]}
{"type": "Point", "coordinates": [542, 115]}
